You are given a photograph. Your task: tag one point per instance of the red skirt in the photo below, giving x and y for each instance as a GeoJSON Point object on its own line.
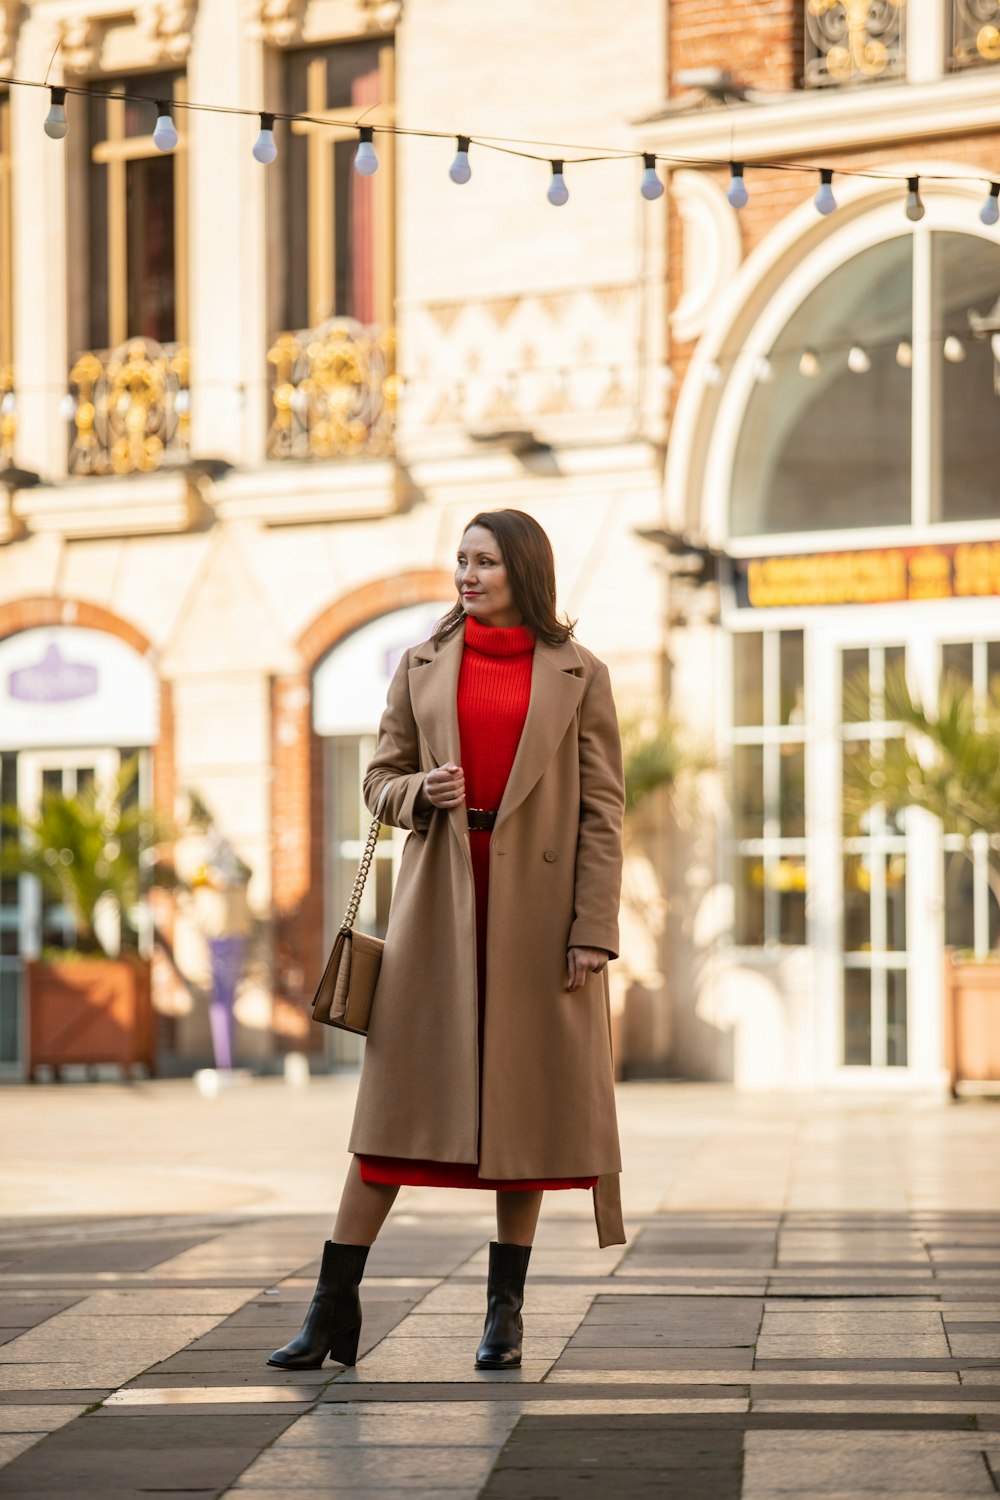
{"type": "Point", "coordinates": [393, 1171]}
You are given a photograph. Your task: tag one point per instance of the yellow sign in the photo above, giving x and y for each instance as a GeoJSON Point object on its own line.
{"type": "Point", "coordinates": [883, 575]}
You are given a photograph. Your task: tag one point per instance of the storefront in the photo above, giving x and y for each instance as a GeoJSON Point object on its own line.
{"type": "Point", "coordinates": [838, 442]}
{"type": "Point", "coordinates": [74, 703]}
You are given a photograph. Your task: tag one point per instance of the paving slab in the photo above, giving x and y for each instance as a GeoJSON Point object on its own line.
{"type": "Point", "coordinates": [803, 1305]}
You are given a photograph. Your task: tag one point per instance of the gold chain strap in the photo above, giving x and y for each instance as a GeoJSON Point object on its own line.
{"type": "Point", "coordinates": [364, 867]}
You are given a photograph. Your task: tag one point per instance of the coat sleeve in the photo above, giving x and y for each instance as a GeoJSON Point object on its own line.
{"type": "Point", "coordinates": [394, 769]}
{"type": "Point", "coordinates": [602, 807]}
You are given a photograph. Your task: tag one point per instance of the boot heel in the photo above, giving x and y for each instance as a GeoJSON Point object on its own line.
{"type": "Point", "coordinates": [344, 1348]}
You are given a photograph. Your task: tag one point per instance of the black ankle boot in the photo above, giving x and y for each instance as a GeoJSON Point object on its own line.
{"type": "Point", "coordinates": [333, 1322]}
{"type": "Point", "coordinates": [501, 1345]}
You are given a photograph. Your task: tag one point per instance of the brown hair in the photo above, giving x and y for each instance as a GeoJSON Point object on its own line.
{"type": "Point", "coordinates": [531, 571]}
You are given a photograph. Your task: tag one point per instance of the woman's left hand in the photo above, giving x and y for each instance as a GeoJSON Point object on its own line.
{"type": "Point", "coordinates": [584, 961]}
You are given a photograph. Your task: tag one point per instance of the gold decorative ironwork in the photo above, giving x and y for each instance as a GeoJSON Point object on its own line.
{"type": "Point", "coordinates": [8, 414]}
{"type": "Point", "coordinates": [975, 33]}
{"type": "Point", "coordinates": [130, 408]}
{"type": "Point", "coordinates": [854, 41]}
{"type": "Point", "coordinates": [334, 392]}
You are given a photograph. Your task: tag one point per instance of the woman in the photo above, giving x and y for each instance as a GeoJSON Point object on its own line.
{"type": "Point", "coordinates": [488, 1062]}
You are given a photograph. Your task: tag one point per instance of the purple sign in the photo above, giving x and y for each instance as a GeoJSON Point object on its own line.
{"type": "Point", "coordinates": [53, 680]}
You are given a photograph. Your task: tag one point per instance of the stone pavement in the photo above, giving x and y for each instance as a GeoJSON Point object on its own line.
{"type": "Point", "coordinates": [809, 1305]}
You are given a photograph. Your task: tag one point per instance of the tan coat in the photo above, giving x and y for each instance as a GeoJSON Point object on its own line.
{"type": "Point", "coordinates": [548, 1107]}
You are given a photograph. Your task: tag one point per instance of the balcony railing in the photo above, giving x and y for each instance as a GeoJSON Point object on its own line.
{"type": "Point", "coordinates": [8, 414]}
{"type": "Point", "coordinates": [855, 41]}
{"type": "Point", "coordinates": [129, 408]}
{"type": "Point", "coordinates": [333, 392]}
{"type": "Point", "coordinates": [975, 33]}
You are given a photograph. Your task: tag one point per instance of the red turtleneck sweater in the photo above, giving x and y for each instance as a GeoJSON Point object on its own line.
{"type": "Point", "coordinates": [494, 689]}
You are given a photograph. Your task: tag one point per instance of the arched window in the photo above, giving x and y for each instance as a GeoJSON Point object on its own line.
{"type": "Point", "coordinates": [879, 402]}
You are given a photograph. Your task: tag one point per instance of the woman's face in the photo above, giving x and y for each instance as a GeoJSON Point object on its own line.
{"type": "Point", "coordinates": [481, 580]}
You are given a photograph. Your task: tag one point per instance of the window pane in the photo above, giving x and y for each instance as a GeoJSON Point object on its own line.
{"type": "Point", "coordinates": [790, 878]}
{"type": "Point", "coordinates": [150, 217]}
{"type": "Point", "coordinates": [967, 288]}
{"type": "Point", "coordinates": [857, 1017]}
{"type": "Point", "coordinates": [10, 1029]}
{"type": "Point", "coordinates": [748, 679]}
{"type": "Point", "coordinates": [796, 468]}
{"type": "Point", "coordinates": [97, 229]}
{"type": "Point", "coordinates": [895, 902]}
{"type": "Point", "coordinates": [792, 711]}
{"type": "Point", "coordinates": [748, 791]}
{"type": "Point", "coordinates": [956, 660]}
{"type": "Point", "coordinates": [792, 790]}
{"type": "Point", "coordinates": [749, 902]}
{"type": "Point", "coordinates": [895, 1039]}
{"type": "Point", "coordinates": [993, 666]}
{"type": "Point", "coordinates": [857, 687]}
{"type": "Point", "coordinates": [857, 904]}
{"type": "Point", "coordinates": [959, 910]}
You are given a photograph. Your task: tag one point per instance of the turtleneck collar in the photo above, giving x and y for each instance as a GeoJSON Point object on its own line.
{"type": "Point", "coordinates": [498, 640]}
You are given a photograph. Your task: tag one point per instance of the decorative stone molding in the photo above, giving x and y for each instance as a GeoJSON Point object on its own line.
{"type": "Point", "coordinates": [712, 250]}
{"type": "Point", "coordinates": [277, 22]}
{"type": "Point", "coordinates": [160, 35]}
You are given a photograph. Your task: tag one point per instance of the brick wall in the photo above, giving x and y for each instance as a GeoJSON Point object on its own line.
{"type": "Point", "coordinates": [758, 41]}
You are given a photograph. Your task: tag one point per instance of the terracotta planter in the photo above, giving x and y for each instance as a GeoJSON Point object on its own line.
{"type": "Point", "coordinates": [89, 1011]}
{"type": "Point", "coordinates": [972, 1023]}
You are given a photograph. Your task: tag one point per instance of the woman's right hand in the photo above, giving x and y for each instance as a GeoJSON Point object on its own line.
{"type": "Point", "coordinates": [444, 786]}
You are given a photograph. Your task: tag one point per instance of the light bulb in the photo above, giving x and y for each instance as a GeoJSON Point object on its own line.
{"type": "Point", "coordinates": [264, 150]}
{"type": "Point", "coordinates": [460, 171]}
{"type": "Point", "coordinates": [164, 131]}
{"type": "Point", "coordinates": [365, 160]}
{"type": "Point", "coordinates": [650, 187]}
{"type": "Point", "coordinates": [56, 124]}
{"type": "Point", "coordinates": [809, 364]}
{"type": "Point", "coordinates": [904, 354]}
{"type": "Point", "coordinates": [954, 349]}
{"type": "Point", "coordinates": [914, 207]}
{"type": "Point", "coordinates": [824, 200]}
{"type": "Point", "coordinates": [737, 194]}
{"type": "Point", "coordinates": [990, 211]}
{"type": "Point", "coordinates": [763, 370]}
{"type": "Point", "coordinates": [558, 193]}
{"type": "Point", "coordinates": [858, 361]}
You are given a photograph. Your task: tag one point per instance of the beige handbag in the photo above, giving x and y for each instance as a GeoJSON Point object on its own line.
{"type": "Point", "coordinates": [344, 995]}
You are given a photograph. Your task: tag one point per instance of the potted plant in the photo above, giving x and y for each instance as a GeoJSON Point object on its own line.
{"type": "Point", "coordinates": [93, 856]}
{"type": "Point", "coordinates": [947, 761]}
{"type": "Point", "coordinates": [655, 757]}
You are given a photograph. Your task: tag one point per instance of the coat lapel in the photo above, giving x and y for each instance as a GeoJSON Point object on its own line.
{"type": "Point", "coordinates": [434, 698]}
{"type": "Point", "coordinates": [555, 696]}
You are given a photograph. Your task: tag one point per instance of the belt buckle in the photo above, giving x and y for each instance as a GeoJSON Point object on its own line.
{"type": "Point", "coordinates": [480, 819]}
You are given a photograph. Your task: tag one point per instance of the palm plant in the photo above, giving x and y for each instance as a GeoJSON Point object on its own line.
{"type": "Point", "coordinates": [946, 761]}
{"type": "Point", "coordinates": [655, 755]}
{"type": "Point", "coordinates": [85, 851]}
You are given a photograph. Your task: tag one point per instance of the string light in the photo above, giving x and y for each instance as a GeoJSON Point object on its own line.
{"type": "Point", "coordinates": [914, 207]}
{"type": "Point", "coordinates": [990, 211]}
{"type": "Point", "coordinates": [365, 160]}
{"type": "Point", "coordinates": [460, 171]}
{"type": "Point", "coordinates": [953, 350]}
{"type": "Point", "coordinates": [713, 373]}
{"type": "Point", "coordinates": [858, 360]}
{"type": "Point", "coordinates": [165, 135]}
{"type": "Point", "coordinates": [737, 193]}
{"type": "Point", "coordinates": [264, 150]}
{"type": "Point", "coordinates": [824, 200]}
{"type": "Point", "coordinates": [809, 364]}
{"type": "Point", "coordinates": [558, 193]}
{"type": "Point", "coordinates": [651, 187]}
{"type": "Point", "coordinates": [904, 354]}
{"type": "Point", "coordinates": [763, 370]}
{"type": "Point", "coordinates": [56, 124]}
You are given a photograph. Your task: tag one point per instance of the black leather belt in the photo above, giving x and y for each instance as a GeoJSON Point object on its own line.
{"type": "Point", "coordinates": [480, 820]}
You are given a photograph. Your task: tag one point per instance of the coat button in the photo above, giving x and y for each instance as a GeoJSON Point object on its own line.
{"type": "Point", "coordinates": [549, 856]}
